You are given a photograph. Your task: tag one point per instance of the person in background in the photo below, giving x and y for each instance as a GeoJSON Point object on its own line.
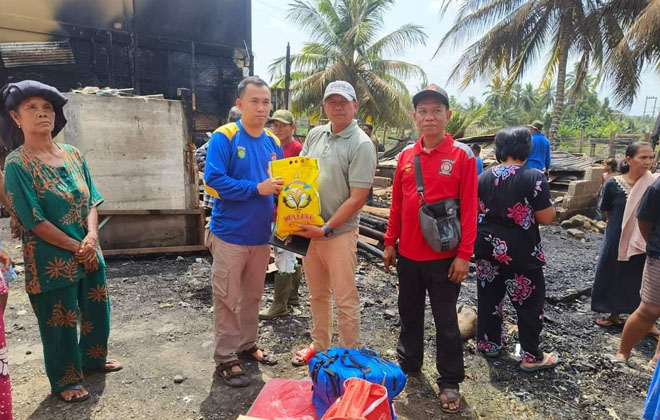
{"type": "Point", "coordinates": [347, 164]}
{"type": "Point", "coordinates": [287, 279]}
{"type": "Point", "coordinates": [448, 171]}
{"type": "Point", "coordinates": [200, 156]}
{"type": "Point", "coordinates": [237, 175]}
{"type": "Point", "coordinates": [539, 158]}
{"type": "Point", "coordinates": [369, 131]}
{"type": "Point", "coordinates": [52, 195]}
{"type": "Point", "coordinates": [476, 149]}
{"type": "Point", "coordinates": [513, 200]}
{"type": "Point", "coordinates": [623, 251]}
{"type": "Point", "coordinates": [610, 166]}
{"type": "Point", "coordinates": [648, 311]}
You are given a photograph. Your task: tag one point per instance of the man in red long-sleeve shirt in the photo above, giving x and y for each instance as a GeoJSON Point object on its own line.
{"type": "Point", "coordinates": [449, 172]}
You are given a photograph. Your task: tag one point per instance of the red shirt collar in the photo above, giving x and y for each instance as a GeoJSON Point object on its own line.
{"type": "Point", "coordinates": [443, 147]}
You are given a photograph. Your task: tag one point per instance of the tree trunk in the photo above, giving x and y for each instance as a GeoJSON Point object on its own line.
{"type": "Point", "coordinates": [561, 83]}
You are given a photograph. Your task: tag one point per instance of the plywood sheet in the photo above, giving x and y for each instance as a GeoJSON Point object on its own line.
{"type": "Point", "coordinates": [136, 150]}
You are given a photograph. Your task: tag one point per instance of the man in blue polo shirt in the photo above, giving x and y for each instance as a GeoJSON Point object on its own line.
{"type": "Point", "coordinates": [539, 157]}
{"type": "Point", "coordinates": [237, 175]}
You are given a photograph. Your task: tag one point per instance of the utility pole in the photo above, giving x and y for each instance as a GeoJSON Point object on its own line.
{"type": "Point", "coordinates": [655, 101]}
{"type": "Point", "coordinates": [287, 76]}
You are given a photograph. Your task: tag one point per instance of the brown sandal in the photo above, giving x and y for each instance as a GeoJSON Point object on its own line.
{"type": "Point", "coordinates": [231, 378]}
{"type": "Point", "coordinates": [77, 387]}
{"type": "Point", "coordinates": [451, 396]}
{"type": "Point", "coordinates": [266, 359]}
{"type": "Point", "coordinates": [110, 365]}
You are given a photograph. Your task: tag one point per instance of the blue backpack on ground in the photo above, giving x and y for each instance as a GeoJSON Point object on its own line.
{"type": "Point", "coordinates": [331, 368]}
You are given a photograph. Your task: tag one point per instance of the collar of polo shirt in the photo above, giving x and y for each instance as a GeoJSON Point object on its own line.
{"type": "Point", "coordinates": [345, 133]}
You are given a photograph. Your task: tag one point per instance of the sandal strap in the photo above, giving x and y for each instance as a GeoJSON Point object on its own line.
{"type": "Point", "coordinates": [452, 395]}
{"type": "Point", "coordinates": [253, 349]}
{"type": "Point", "coordinates": [230, 364]}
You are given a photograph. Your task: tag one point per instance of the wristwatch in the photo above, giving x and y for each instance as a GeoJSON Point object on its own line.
{"type": "Point", "coordinates": [328, 231]}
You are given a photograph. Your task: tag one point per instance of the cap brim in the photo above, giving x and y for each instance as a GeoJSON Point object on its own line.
{"type": "Point", "coordinates": [283, 121]}
{"type": "Point", "coordinates": [428, 94]}
{"type": "Point", "coordinates": [345, 95]}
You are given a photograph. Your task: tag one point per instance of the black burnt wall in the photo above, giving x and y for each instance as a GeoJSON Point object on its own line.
{"type": "Point", "coordinates": [160, 46]}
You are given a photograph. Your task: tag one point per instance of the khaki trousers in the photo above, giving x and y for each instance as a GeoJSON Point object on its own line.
{"type": "Point", "coordinates": [239, 273]}
{"type": "Point", "coordinates": [330, 270]}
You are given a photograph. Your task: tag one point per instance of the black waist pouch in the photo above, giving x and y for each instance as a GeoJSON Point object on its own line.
{"type": "Point", "coordinates": [440, 222]}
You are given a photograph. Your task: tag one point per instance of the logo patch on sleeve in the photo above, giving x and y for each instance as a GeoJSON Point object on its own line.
{"type": "Point", "coordinates": [446, 167]}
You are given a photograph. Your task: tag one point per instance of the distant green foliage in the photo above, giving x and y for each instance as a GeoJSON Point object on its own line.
{"type": "Point", "coordinates": [583, 111]}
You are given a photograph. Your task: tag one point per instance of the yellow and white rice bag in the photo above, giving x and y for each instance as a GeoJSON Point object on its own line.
{"type": "Point", "coordinates": [298, 203]}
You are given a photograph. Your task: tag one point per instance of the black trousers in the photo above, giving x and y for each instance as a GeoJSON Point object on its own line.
{"type": "Point", "coordinates": [415, 278]}
{"type": "Point", "coordinates": [526, 290]}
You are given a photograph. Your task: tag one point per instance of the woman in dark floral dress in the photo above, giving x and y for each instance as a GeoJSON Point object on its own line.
{"type": "Point", "coordinates": [514, 200]}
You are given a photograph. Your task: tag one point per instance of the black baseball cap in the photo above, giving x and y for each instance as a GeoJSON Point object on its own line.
{"type": "Point", "coordinates": [434, 91]}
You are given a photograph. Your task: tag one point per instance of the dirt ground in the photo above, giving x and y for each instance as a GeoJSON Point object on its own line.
{"type": "Point", "coordinates": [162, 327]}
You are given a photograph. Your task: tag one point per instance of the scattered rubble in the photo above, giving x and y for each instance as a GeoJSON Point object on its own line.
{"type": "Point", "coordinates": [157, 346]}
{"type": "Point", "coordinates": [576, 233]}
{"type": "Point", "coordinates": [584, 223]}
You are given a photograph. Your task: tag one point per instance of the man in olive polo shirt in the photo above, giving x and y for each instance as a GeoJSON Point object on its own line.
{"type": "Point", "coordinates": [347, 160]}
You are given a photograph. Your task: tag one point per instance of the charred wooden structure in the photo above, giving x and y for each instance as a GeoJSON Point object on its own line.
{"type": "Point", "coordinates": [153, 46]}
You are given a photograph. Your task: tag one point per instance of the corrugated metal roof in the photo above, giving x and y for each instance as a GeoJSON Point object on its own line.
{"type": "Point", "coordinates": [22, 54]}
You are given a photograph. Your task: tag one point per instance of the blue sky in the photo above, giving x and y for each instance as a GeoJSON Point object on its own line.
{"type": "Point", "coordinates": [271, 31]}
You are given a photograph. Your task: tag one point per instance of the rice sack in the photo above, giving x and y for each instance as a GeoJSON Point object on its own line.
{"type": "Point", "coordinates": [298, 203]}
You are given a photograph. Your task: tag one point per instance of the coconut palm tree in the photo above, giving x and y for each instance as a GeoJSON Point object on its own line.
{"type": "Point", "coordinates": [495, 93]}
{"type": "Point", "coordinates": [637, 48]}
{"type": "Point", "coordinates": [528, 98]}
{"type": "Point", "coordinates": [519, 31]}
{"type": "Point", "coordinates": [346, 45]}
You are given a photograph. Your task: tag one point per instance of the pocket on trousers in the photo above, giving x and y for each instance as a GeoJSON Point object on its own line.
{"type": "Point", "coordinates": [220, 281]}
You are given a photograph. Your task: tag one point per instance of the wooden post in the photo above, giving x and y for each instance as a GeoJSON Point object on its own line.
{"type": "Point", "coordinates": [612, 151]}
{"type": "Point", "coordinates": [580, 141]}
{"type": "Point", "coordinates": [287, 76]}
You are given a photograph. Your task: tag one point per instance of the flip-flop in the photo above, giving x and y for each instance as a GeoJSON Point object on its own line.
{"type": "Point", "coordinates": [266, 359]}
{"type": "Point", "coordinates": [73, 399]}
{"type": "Point", "coordinates": [607, 323]}
{"type": "Point", "coordinates": [302, 356]}
{"type": "Point", "coordinates": [452, 396]}
{"type": "Point", "coordinates": [492, 354]}
{"type": "Point", "coordinates": [544, 365]}
{"type": "Point", "coordinates": [612, 359]}
{"type": "Point", "coordinates": [107, 367]}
